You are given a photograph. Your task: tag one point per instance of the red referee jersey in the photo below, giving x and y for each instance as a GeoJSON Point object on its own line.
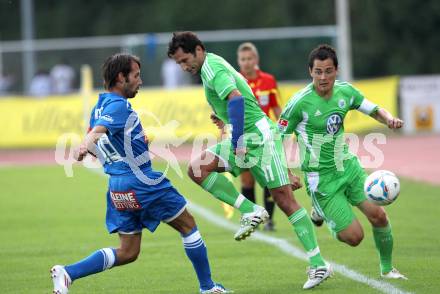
{"type": "Point", "coordinates": [264, 87]}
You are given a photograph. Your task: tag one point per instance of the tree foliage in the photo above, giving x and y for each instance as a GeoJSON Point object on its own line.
{"type": "Point", "coordinates": [388, 37]}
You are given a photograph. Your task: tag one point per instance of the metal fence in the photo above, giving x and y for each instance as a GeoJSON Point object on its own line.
{"type": "Point", "coordinates": [283, 52]}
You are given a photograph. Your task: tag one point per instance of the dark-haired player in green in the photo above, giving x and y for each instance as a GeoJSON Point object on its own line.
{"type": "Point", "coordinates": [255, 145]}
{"type": "Point", "coordinates": [333, 176]}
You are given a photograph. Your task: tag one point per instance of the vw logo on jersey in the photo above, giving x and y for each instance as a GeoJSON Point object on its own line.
{"type": "Point", "coordinates": [334, 123]}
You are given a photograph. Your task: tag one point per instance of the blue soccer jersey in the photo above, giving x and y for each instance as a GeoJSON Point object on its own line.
{"type": "Point", "coordinates": [124, 140]}
{"type": "Point", "coordinates": [123, 150]}
{"type": "Point", "coordinates": [138, 197]}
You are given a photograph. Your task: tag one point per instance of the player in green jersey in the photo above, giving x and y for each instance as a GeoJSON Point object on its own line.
{"type": "Point", "coordinates": [255, 145]}
{"type": "Point", "coordinates": [333, 176]}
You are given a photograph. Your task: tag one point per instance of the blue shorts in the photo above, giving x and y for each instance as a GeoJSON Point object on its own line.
{"type": "Point", "coordinates": [133, 205]}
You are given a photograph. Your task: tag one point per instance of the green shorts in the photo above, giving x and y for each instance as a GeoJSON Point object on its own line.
{"type": "Point", "coordinates": [266, 162]}
{"type": "Point", "coordinates": [333, 193]}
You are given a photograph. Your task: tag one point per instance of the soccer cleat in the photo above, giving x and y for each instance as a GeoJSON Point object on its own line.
{"type": "Point", "coordinates": [61, 280]}
{"type": "Point", "coordinates": [250, 221]}
{"type": "Point", "coordinates": [317, 220]}
{"type": "Point", "coordinates": [317, 275]}
{"type": "Point", "coordinates": [218, 288]}
{"type": "Point", "coordinates": [393, 274]}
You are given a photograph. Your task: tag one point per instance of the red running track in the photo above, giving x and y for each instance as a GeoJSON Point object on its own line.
{"type": "Point", "coordinates": [414, 157]}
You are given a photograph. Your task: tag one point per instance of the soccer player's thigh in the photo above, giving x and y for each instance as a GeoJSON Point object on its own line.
{"type": "Point", "coordinates": [129, 249]}
{"type": "Point", "coordinates": [270, 169]}
{"type": "Point", "coordinates": [247, 179]}
{"type": "Point", "coordinates": [355, 194]}
{"type": "Point", "coordinates": [327, 192]}
{"type": "Point", "coordinates": [168, 207]}
{"type": "Point", "coordinates": [271, 172]}
{"type": "Point", "coordinates": [339, 215]}
{"type": "Point", "coordinates": [123, 206]}
{"type": "Point", "coordinates": [355, 189]}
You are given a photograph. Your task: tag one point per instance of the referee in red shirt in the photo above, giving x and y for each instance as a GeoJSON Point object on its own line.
{"type": "Point", "coordinates": [264, 87]}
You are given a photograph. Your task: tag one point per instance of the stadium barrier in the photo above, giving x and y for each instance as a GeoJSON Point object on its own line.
{"type": "Point", "coordinates": [420, 103]}
{"type": "Point", "coordinates": [28, 122]}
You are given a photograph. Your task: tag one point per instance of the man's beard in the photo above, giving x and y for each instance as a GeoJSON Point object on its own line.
{"type": "Point", "coordinates": [129, 93]}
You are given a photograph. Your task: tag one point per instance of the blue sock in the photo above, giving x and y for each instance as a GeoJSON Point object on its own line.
{"type": "Point", "coordinates": [196, 251]}
{"type": "Point", "coordinates": [97, 262]}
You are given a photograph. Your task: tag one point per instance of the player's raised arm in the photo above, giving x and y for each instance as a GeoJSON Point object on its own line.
{"type": "Point", "coordinates": [88, 145]}
{"type": "Point", "coordinates": [383, 116]}
{"type": "Point", "coordinates": [367, 107]}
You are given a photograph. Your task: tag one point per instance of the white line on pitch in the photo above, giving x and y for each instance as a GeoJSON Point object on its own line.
{"type": "Point", "coordinates": [294, 251]}
{"type": "Point", "coordinates": [288, 248]}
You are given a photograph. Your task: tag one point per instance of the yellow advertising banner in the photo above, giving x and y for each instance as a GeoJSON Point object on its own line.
{"type": "Point", "coordinates": [30, 122]}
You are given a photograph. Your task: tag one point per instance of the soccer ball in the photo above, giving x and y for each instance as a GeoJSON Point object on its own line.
{"type": "Point", "coordinates": [382, 187]}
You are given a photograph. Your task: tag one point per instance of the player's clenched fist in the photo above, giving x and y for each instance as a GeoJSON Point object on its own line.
{"type": "Point", "coordinates": [395, 123]}
{"type": "Point", "coordinates": [80, 152]}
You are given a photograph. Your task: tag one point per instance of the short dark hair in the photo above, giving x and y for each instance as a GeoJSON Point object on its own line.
{"type": "Point", "coordinates": [119, 62]}
{"type": "Point", "coordinates": [188, 41]}
{"type": "Point", "coordinates": [322, 52]}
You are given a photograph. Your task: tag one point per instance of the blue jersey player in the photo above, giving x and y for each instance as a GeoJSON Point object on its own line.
{"type": "Point", "coordinates": [138, 197]}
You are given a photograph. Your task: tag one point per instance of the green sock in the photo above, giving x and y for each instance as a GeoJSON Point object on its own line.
{"type": "Point", "coordinates": [303, 228]}
{"type": "Point", "coordinates": [383, 237]}
{"type": "Point", "coordinates": [222, 189]}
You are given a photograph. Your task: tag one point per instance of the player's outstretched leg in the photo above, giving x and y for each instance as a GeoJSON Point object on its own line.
{"type": "Point", "coordinates": [207, 175]}
{"type": "Point", "coordinates": [383, 238]}
{"type": "Point", "coordinates": [100, 260]}
{"type": "Point", "coordinates": [318, 270]}
{"type": "Point", "coordinates": [196, 251]}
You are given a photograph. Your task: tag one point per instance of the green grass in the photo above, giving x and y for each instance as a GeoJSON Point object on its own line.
{"type": "Point", "coordinates": [47, 218]}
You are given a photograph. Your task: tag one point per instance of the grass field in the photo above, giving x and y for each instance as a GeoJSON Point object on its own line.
{"type": "Point", "coordinates": [47, 218]}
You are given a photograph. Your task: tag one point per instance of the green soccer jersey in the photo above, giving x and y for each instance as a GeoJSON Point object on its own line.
{"type": "Point", "coordinates": [319, 125]}
{"type": "Point", "coordinates": [219, 79]}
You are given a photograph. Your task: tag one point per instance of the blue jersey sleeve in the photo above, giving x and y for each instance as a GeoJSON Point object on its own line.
{"type": "Point", "coordinates": [113, 116]}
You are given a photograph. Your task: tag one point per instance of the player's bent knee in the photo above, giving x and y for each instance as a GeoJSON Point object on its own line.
{"type": "Point", "coordinates": [352, 239]}
{"type": "Point", "coordinates": [195, 175]}
{"type": "Point", "coordinates": [378, 218]}
{"type": "Point", "coordinates": [191, 173]}
{"type": "Point", "coordinates": [283, 198]}
{"type": "Point", "coordinates": [132, 257]}
{"type": "Point", "coordinates": [125, 257]}
{"type": "Point", "coordinates": [198, 171]}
